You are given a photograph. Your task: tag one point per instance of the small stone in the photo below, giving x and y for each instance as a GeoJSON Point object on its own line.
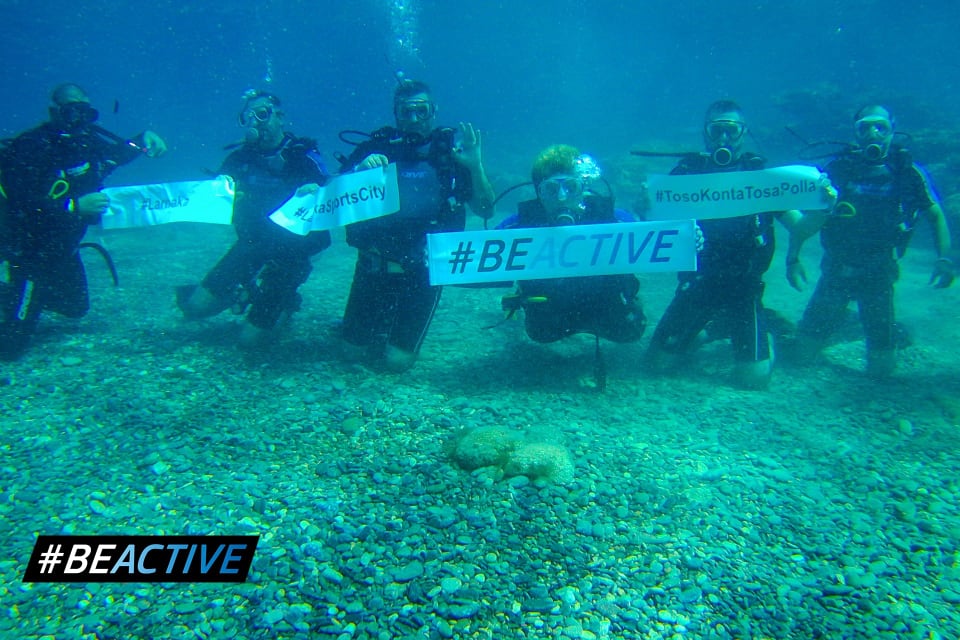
{"type": "Point", "coordinates": [518, 481]}
{"type": "Point", "coordinates": [331, 575]}
{"type": "Point", "coordinates": [98, 507]}
{"type": "Point", "coordinates": [450, 585]}
{"type": "Point", "coordinates": [409, 572]}
{"type": "Point", "coordinates": [351, 425]}
{"type": "Point", "coordinates": [463, 611]}
{"type": "Point", "coordinates": [273, 616]}
{"type": "Point", "coordinates": [905, 427]}
{"type": "Point", "coordinates": [540, 605]}
{"type": "Point", "coordinates": [666, 617]}
{"type": "Point", "coordinates": [160, 467]}
{"type": "Point", "coordinates": [70, 361]}
{"type": "Point", "coordinates": [693, 594]}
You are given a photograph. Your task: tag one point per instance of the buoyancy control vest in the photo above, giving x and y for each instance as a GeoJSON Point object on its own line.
{"type": "Point", "coordinates": [433, 192]}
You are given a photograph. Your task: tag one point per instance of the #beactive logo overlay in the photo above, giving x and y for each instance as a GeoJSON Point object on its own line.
{"type": "Point", "coordinates": [141, 559]}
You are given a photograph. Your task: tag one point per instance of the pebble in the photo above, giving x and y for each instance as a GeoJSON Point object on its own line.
{"type": "Point", "coordinates": [409, 572]}
{"type": "Point", "coordinates": [540, 605]}
{"type": "Point", "coordinates": [273, 616]}
{"type": "Point", "coordinates": [692, 594]}
{"type": "Point", "coordinates": [905, 427]}
{"type": "Point", "coordinates": [450, 585]}
{"type": "Point", "coordinates": [518, 481]}
{"type": "Point", "coordinates": [462, 611]}
{"type": "Point", "coordinates": [837, 590]}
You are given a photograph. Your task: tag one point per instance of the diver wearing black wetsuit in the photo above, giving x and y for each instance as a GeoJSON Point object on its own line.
{"type": "Point", "coordinates": [51, 176]}
{"type": "Point", "coordinates": [605, 306]}
{"type": "Point", "coordinates": [391, 301]}
{"type": "Point", "coordinates": [727, 286]}
{"type": "Point", "coordinates": [267, 264]}
{"type": "Point", "coordinates": [725, 294]}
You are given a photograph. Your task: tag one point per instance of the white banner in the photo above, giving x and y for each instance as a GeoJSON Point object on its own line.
{"type": "Point", "coordinates": [349, 198]}
{"type": "Point", "coordinates": [146, 205]}
{"type": "Point", "coordinates": [561, 252]}
{"type": "Point", "coordinates": [735, 193]}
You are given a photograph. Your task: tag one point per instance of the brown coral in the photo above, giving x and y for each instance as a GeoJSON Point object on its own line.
{"type": "Point", "coordinates": [485, 447]}
{"type": "Point", "coordinates": [541, 461]}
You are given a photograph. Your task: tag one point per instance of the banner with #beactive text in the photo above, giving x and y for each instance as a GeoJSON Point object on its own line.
{"type": "Point", "coordinates": [730, 194]}
{"type": "Point", "coordinates": [209, 201]}
{"type": "Point", "coordinates": [345, 199]}
{"type": "Point", "coordinates": [505, 255]}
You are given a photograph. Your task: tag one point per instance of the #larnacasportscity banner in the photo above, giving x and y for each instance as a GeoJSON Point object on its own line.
{"type": "Point", "coordinates": [735, 193]}
{"type": "Point", "coordinates": [146, 205]}
{"type": "Point", "coordinates": [561, 252]}
{"type": "Point", "coordinates": [349, 198]}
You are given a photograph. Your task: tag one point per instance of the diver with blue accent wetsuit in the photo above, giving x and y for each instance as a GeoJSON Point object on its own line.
{"type": "Point", "coordinates": [391, 302]}
{"type": "Point", "coordinates": [261, 272]}
{"type": "Point", "coordinates": [882, 196]}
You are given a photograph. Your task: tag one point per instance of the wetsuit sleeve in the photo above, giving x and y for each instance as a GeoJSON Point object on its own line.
{"type": "Point", "coordinates": [120, 153]}
{"type": "Point", "coordinates": [918, 192]}
{"type": "Point", "coordinates": [315, 168]}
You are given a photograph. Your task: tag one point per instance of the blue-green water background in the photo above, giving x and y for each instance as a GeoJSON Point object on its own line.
{"type": "Point", "coordinates": [825, 506]}
{"type": "Point", "coordinates": [604, 75]}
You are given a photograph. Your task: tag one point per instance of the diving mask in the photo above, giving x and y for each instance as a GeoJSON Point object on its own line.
{"type": "Point", "coordinates": [560, 188]}
{"type": "Point", "coordinates": [873, 127]}
{"type": "Point", "coordinates": [730, 129]}
{"type": "Point", "coordinates": [415, 110]}
{"type": "Point", "coordinates": [77, 114]}
{"type": "Point", "coordinates": [250, 117]}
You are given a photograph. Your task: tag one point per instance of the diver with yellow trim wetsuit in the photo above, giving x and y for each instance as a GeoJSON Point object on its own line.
{"type": "Point", "coordinates": [52, 176]}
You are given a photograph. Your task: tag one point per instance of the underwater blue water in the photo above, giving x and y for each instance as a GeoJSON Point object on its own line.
{"type": "Point", "coordinates": [605, 75]}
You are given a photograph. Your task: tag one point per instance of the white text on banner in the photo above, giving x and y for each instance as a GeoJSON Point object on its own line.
{"type": "Point", "coordinates": [729, 194]}
{"type": "Point", "coordinates": [149, 204]}
{"type": "Point", "coordinates": [561, 252]}
{"type": "Point", "coordinates": [349, 198]}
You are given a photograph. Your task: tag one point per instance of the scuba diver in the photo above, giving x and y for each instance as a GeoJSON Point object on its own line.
{"type": "Point", "coordinates": [260, 274]}
{"type": "Point", "coordinates": [882, 196]}
{"type": "Point", "coordinates": [52, 176]}
{"type": "Point", "coordinates": [391, 302]}
{"type": "Point", "coordinates": [606, 306]}
{"type": "Point", "coordinates": [725, 295]}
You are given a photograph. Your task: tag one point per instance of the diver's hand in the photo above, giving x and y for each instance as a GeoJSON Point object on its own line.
{"type": "Point", "coordinates": [154, 144]}
{"type": "Point", "coordinates": [828, 193]}
{"type": "Point", "coordinates": [469, 152]}
{"type": "Point", "coordinates": [92, 205]}
{"type": "Point", "coordinates": [698, 237]}
{"type": "Point", "coordinates": [372, 161]}
{"type": "Point", "coordinates": [943, 273]}
{"type": "Point", "coordinates": [307, 189]}
{"type": "Point", "coordinates": [796, 274]}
